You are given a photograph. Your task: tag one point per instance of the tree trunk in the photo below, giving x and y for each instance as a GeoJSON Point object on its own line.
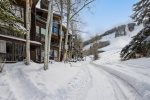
{"type": "Point", "coordinates": [60, 31]}
{"type": "Point", "coordinates": [50, 30]}
{"type": "Point", "coordinates": [68, 26]}
{"type": "Point", "coordinates": [72, 41]}
{"type": "Point", "coordinates": [47, 36]}
{"type": "Point", "coordinates": [28, 19]}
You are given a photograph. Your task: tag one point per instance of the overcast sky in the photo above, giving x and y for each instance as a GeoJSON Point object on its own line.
{"type": "Point", "coordinates": [105, 14]}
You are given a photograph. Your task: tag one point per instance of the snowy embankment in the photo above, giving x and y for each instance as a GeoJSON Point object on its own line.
{"type": "Point", "coordinates": [60, 82]}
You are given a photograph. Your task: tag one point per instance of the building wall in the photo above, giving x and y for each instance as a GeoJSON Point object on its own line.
{"type": "Point", "coordinates": [10, 48]}
{"type": "Point", "coordinates": [15, 48]}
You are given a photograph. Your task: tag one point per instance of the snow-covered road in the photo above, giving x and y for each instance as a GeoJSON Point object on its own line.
{"type": "Point", "coordinates": [109, 86]}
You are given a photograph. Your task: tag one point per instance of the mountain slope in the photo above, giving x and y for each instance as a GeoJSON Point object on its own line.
{"type": "Point", "coordinates": [117, 37]}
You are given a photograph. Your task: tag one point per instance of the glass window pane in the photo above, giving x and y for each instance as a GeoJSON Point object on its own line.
{"type": "Point", "coordinates": [37, 29]}
{"type": "Point", "coordinates": [43, 31]}
{"type": "Point", "coordinates": [55, 23]}
{"type": "Point", "coordinates": [62, 33]}
{"type": "Point", "coordinates": [55, 31]}
{"type": "Point", "coordinates": [55, 53]}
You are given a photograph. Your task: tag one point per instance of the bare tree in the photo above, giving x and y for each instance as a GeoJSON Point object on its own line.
{"type": "Point", "coordinates": [28, 22]}
{"type": "Point", "coordinates": [68, 26]}
{"type": "Point", "coordinates": [60, 30]}
{"type": "Point", "coordinates": [74, 6]}
{"type": "Point", "coordinates": [48, 34]}
{"type": "Point", "coordinates": [50, 31]}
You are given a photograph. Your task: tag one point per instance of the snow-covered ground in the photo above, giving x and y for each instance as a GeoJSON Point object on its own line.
{"type": "Point", "coordinates": [77, 81]}
{"type": "Point", "coordinates": [105, 79]}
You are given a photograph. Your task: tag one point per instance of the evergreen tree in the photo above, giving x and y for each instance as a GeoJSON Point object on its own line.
{"type": "Point", "coordinates": [141, 11]}
{"type": "Point", "coordinates": [7, 17]}
{"type": "Point", "coordinates": [138, 47]}
{"type": "Point", "coordinates": [140, 44]}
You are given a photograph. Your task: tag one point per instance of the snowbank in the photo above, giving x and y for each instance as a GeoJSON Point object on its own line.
{"type": "Point", "coordinates": [60, 82]}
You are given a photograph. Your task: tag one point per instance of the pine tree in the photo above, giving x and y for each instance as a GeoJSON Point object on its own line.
{"type": "Point", "coordinates": [8, 19]}
{"type": "Point", "coordinates": [140, 44]}
{"type": "Point", "coordinates": [138, 47]}
{"type": "Point", "coordinates": [141, 11]}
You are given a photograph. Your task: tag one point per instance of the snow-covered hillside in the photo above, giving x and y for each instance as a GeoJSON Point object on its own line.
{"type": "Point", "coordinates": [117, 42]}
{"type": "Point", "coordinates": [122, 41]}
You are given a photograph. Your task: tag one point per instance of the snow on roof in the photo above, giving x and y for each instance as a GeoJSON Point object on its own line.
{"type": "Point", "coordinates": [19, 39]}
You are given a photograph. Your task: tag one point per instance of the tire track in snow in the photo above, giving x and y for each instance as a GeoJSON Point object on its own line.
{"type": "Point", "coordinates": [134, 68]}
{"type": "Point", "coordinates": [120, 83]}
{"type": "Point", "coordinates": [102, 88]}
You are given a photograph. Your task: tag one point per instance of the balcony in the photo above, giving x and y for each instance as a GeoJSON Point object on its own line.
{"type": "Point", "coordinates": [8, 32]}
{"type": "Point", "coordinates": [54, 44]}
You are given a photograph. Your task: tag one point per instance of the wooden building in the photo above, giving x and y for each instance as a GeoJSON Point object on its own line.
{"type": "Point", "coordinates": [12, 44]}
{"type": "Point", "coordinates": [41, 17]}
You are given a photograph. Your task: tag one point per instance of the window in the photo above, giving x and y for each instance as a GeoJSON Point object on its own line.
{"type": "Point", "coordinates": [51, 54]}
{"type": "Point", "coordinates": [55, 31]}
{"type": "Point", "coordinates": [9, 47]}
{"type": "Point", "coordinates": [37, 29]}
{"type": "Point", "coordinates": [2, 46]}
{"type": "Point", "coordinates": [55, 23]}
{"type": "Point", "coordinates": [43, 31]}
{"type": "Point", "coordinates": [63, 34]}
{"type": "Point", "coordinates": [55, 53]}
{"type": "Point", "coordinates": [55, 27]}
